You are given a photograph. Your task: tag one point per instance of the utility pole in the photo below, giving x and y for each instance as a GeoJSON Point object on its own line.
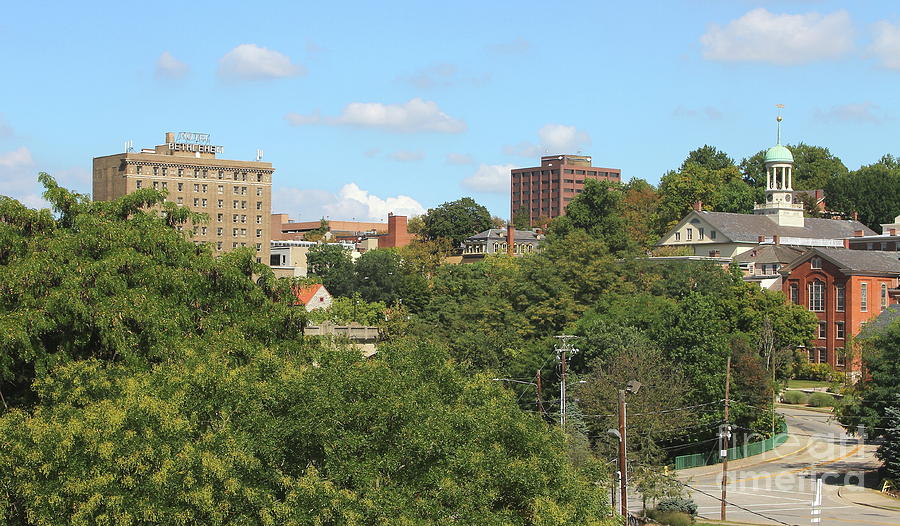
{"type": "Point", "coordinates": [726, 433]}
{"type": "Point", "coordinates": [623, 467]}
{"type": "Point", "coordinates": [562, 351]}
{"type": "Point", "coordinates": [540, 402]}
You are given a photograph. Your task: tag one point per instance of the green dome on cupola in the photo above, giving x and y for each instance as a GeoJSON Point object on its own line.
{"type": "Point", "coordinates": [779, 154]}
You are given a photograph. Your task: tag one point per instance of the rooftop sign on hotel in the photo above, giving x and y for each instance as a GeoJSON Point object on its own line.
{"type": "Point", "coordinates": [194, 142]}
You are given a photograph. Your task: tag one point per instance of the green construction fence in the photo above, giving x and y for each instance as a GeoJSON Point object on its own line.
{"type": "Point", "coordinates": [747, 450]}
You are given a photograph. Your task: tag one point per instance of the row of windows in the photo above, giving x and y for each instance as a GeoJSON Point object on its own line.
{"type": "Point", "coordinates": [197, 172]}
{"type": "Point", "coordinates": [239, 190]}
{"type": "Point", "coordinates": [689, 234]}
{"type": "Point", "coordinates": [816, 296]}
{"type": "Point", "coordinates": [820, 355]}
{"type": "Point", "coordinates": [235, 232]}
{"type": "Point", "coordinates": [838, 330]}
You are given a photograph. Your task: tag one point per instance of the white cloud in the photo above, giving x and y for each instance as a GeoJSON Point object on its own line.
{"type": "Point", "coordinates": [459, 158]}
{"type": "Point", "coordinates": [17, 158]}
{"type": "Point", "coordinates": [517, 46]}
{"type": "Point", "coordinates": [19, 173]}
{"type": "Point", "coordinates": [783, 39]}
{"type": "Point", "coordinates": [416, 115]}
{"type": "Point", "coordinates": [252, 62]}
{"type": "Point", "coordinates": [886, 44]}
{"type": "Point", "coordinates": [707, 112]}
{"type": "Point", "coordinates": [169, 67]}
{"type": "Point", "coordinates": [865, 112]}
{"type": "Point", "coordinates": [554, 139]}
{"type": "Point", "coordinates": [489, 178]}
{"type": "Point", "coordinates": [350, 202]}
{"type": "Point", "coordinates": [443, 76]}
{"type": "Point", "coordinates": [405, 156]}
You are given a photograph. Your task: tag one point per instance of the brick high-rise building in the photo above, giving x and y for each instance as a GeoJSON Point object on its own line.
{"type": "Point", "coordinates": [544, 191]}
{"type": "Point", "coordinates": [236, 195]}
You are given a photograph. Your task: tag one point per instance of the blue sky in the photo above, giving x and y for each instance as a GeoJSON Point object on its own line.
{"type": "Point", "coordinates": [368, 107]}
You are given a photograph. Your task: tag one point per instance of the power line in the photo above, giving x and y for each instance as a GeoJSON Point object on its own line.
{"type": "Point", "coordinates": [731, 503]}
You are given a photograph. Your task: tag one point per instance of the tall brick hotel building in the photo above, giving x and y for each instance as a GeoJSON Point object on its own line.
{"type": "Point", "coordinates": [544, 191]}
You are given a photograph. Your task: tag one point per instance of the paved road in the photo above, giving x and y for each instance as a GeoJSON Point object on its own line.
{"type": "Point", "coordinates": [779, 487]}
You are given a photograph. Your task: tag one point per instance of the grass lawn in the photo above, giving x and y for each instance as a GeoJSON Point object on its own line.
{"type": "Point", "coordinates": [806, 384]}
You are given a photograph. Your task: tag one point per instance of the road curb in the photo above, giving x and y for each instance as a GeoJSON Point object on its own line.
{"type": "Point", "coordinates": [842, 494]}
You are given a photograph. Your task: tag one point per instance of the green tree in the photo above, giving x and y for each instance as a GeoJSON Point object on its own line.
{"type": "Point", "coordinates": [598, 211]}
{"type": "Point", "coordinates": [456, 220]}
{"type": "Point", "coordinates": [332, 263]}
{"type": "Point", "coordinates": [873, 191]}
{"type": "Point", "coordinates": [710, 158]}
{"type": "Point", "coordinates": [521, 219]}
{"type": "Point", "coordinates": [116, 281]}
{"type": "Point", "coordinates": [814, 167]}
{"type": "Point", "coordinates": [318, 234]}
{"type": "Point", "coordinates": [640, 210]}
{"type": "Point", "coordinates": [889, 450]}
{"type": "Point", "coordinates": [382, 276]}
{"type": "Point", "coordinates": [737, 197]}
{"type": "Point", "coordinates": [867, 402]}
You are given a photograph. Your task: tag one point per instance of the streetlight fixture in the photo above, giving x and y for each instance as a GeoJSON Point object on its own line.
{"type": "Point", "coordinates": [632, 387]}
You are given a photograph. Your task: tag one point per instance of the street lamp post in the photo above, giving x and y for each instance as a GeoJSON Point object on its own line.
{"type": "Point", "coordinates": [632, 387]}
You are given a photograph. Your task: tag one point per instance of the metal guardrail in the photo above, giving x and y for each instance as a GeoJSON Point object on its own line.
{"type": "Point", "coordinates": [738, 452]}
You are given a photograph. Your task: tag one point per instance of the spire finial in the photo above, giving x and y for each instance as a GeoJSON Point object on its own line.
{"type": "Point", "coordinates": [778, 119]}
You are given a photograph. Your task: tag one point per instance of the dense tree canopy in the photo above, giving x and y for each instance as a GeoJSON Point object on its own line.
{"type": "Point", "coordinates": [146, 382]}
{"type": "Point", "coordinates": [456, 220]}
{"type": "Point", "coordinates": [599, 212]}
{"type": "Point", "coordinates": [873, 192]}
{"type": "Point", "coordinates": [814, 167]}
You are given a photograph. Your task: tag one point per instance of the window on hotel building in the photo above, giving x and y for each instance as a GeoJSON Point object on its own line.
{"type": "Point", "coordinates": [823, 330]}
{"type": "Point", "coordinates": [243, 204]}
{"type": "Point", "coordinates": [180, 187]}
{"type": "Point", "coordinates": [155, 170]}
{"type": "Point", "coordinates": [218, 245]}
{"type": "Point", "coordinates": [234, 232]}
{"type": "Point", "coordinates": [258, 232]}
{"type": "Point", "coordinates": [243, 219]}
{"type": "Point", "coordinates": [196, 172]}
{"type": "Point", "coordinates": [203, 230]}
{"type": "Point", "coordinates": [817, 296]}
{"type": "Point", "coordinates": [180, 200]}
{"type": "Point", "coordinates": [137, 184]}
{"type": "Point", "coordinates": [839, 298]}
{"type": "Point", "coordinates": [234, 204]}
{"type": "Point", "coordinates": [219, 231]}
{"type": "Point", "coordinates": [137, 169]}
{"type": "Point", "coordinates": [196, 202]}
{"type": "Point", "coordinates": [258, 178]}
{"type": "Point", "coordinates": [220, 203]}
{"type": "Point", "coordinates": [220, 217]}
{"type": "Point", "coordinates": [795, 293]}
{"type": "Point", "coordinates": [234, 218]}
{"type": "Point", "coordinates": [165, 171]}
{"type": "Point", "coordinates": [258, 192]}
{"type": "Point", "coordinates": [180, 172]}
{"type": "Point", "coordinates": [258, 220]}
{"type": "Point", "coordinates": [884, 296]}
{"type": "Point", "coordinates": [243, 232]}
{"type": "Point", "coordinates": [165, 185]}
{"type": "Point", "coordinates": [203, 188]}
{"type": "Point", "coordinates": [203, 203]}
{"type": "Point", "coordinates": [204, 174]}
{"type": "Point", "coordinates": [864, 297]}
{"type": "Point", "coordinates": [221, 174]}
{"type": "Point", "coordinates": [196, 187]}
{"type": "Point", "coordinates": [839, 330]}
{"type": "Point", "coordinates": [259, 205]}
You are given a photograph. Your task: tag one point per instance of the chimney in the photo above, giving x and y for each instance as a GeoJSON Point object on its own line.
{"type": "Point", "coordinates": [858, 233]}
{"type": "Point", "coordinates": [510, 239]}
{"type": "Point", "coordinates": [761, 239]}
{"type": "Point", "coordinates": [170, 137]}
{"type": "Point", "coordinates": [776, 240]}
{"type": "Point", "coordinates": [846, 243]}
{"type": "Point", "coordinates": [398, 235]}
{"type": "Point", "coordinates": [698, 206]}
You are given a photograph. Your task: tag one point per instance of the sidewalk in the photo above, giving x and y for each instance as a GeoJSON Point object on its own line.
{"type": "Point", "coordinates": [794, 445]}
{"type": "Point", "coordinates": [868, 497]}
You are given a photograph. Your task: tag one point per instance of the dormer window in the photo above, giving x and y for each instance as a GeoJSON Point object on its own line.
{"type": "Point", "coordinates": [815, 263]}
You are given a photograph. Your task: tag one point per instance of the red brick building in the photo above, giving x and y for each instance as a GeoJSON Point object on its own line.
{"type": "Point", "coordinates": [845, 289]}
{"type": "Point", "coordinates": [544, 191]}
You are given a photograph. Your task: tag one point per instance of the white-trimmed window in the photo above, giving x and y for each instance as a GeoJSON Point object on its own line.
{"type": "Point", "coordinates": [815, 262]}
{"type": "Point", "coordinates": [864, 297]}
{"type": "Point", "coordinates": [823, 330]}
{"type": "Point", "coordinates": [839, 330]}
{"type": "Point", "coordinates": [839, 298]}
{"type": "Point", "coordinates": [817, 296]}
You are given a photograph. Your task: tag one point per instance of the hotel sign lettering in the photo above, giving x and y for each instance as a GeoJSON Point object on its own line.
{"type": "Point", "coordinates": [194, 142]}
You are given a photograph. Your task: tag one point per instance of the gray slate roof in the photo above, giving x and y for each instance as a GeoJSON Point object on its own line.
{"type": "Point", "coordinates": [769, 254]}
{"type": "Point", "coordinates": [748, 227]}
{"type": "Point", "coordinates": [861, 260]}
{"type": "Point", "coordinates": [887, 316]}
{"type": "Point", "coordinates": [500, 234]}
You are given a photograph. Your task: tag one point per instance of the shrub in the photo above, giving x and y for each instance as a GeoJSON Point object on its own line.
{"type": "Point", "coordinates": [794, 397]}
{"type": "Point", "coordinates": [673, 518]}
{"type": "Point", "coordinates": [677, 504]}
{"type": "Point", "coordinates": [821, 400]}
